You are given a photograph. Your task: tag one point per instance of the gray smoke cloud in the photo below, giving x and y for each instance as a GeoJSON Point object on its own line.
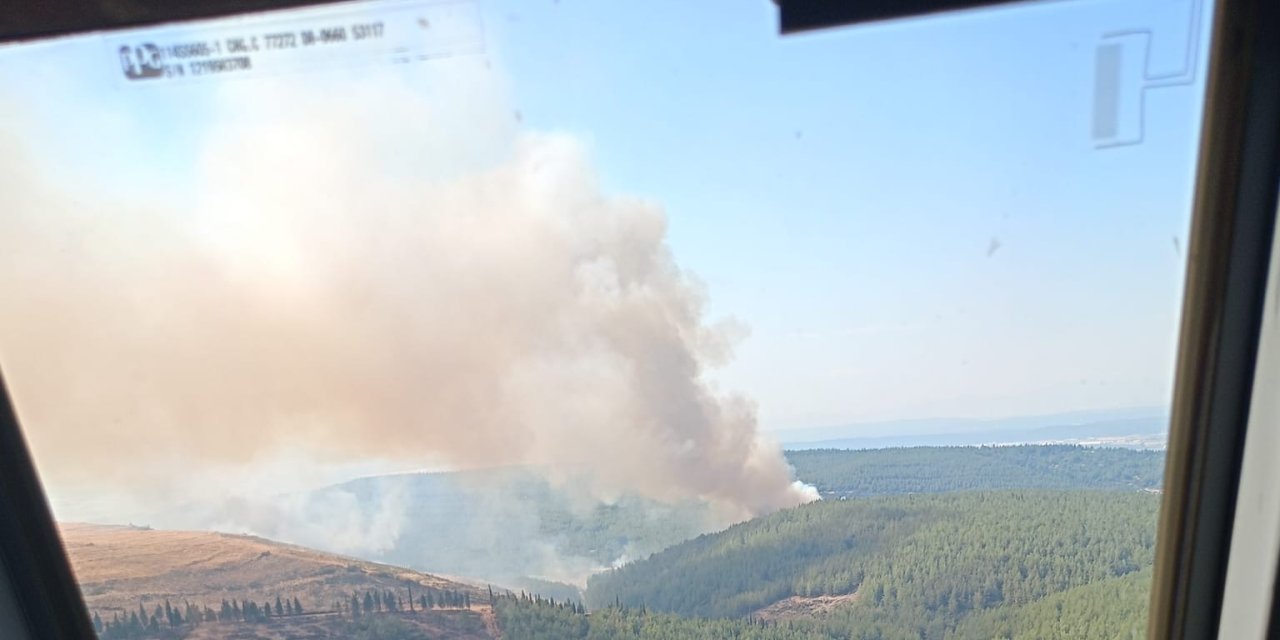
{"type": "Point", "coordinates": [380, 275]}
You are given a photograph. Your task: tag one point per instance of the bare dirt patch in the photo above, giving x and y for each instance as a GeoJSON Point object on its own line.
{"type": "Point", "coordinates": [801, 607]}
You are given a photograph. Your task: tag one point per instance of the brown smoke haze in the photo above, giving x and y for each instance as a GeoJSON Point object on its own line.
{"type": "Point", "coordinates": [320, 292]}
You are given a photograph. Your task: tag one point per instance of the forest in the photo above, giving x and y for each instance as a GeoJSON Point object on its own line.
{"type": "Point", "coordinates": [938, 543]}
{"type": "Point", "coordinates": [359, 616]}
{"type": "Point", "coordinates": [914, 566]}
{"type": "Point", "coordinates": [494, 524]}
{"type": "Point", "coordinates": [876, 472]}
{"type": "Point", "coordinates": [1106, 610]}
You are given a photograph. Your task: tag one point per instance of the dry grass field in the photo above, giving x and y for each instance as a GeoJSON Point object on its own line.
{"type": "Point", "coordinates": [120, 568]}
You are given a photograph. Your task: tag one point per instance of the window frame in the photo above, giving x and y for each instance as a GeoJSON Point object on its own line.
{"type": "Point", "coordinates": [1233, 219]}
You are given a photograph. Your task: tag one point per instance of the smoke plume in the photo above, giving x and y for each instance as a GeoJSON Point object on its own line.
{"type": "Point", "coordinates": [371, 277]}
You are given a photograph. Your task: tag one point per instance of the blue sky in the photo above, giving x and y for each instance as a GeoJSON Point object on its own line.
{"type": "Point", "coordinates": [910, 218]}
{"type": "Point", "coordinates": [839, 192]}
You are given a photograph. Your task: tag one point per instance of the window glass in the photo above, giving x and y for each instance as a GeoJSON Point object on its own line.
{"type": "Point", "coordinates": [484, 318]}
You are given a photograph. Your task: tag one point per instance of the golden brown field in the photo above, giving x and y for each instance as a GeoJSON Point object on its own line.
{"type": "Point", "coordinates": [120, 568]}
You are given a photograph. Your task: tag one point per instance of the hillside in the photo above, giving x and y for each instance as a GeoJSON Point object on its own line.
{"type": "Point", "coordinates": [511, 525]}
{"type": "Point", "coordinates": [1113, 608]}
{"type": "Point", "coordinates": [1105, 610]}
{"type": "Point", "coordinates": [124, 571]}
{"type": "Point", "coordinates": [933, 542]}
{"type": "Point", "coordinates": [919, 565]}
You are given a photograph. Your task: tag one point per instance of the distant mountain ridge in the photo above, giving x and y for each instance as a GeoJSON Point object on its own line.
{"type": "Point", "coordinates": [1137, 428]}
{"type": "Point", "coordinates": [896, 471]}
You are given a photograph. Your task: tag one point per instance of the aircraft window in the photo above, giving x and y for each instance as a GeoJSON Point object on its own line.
{"type": "Point", "coordinates": [469, 319]}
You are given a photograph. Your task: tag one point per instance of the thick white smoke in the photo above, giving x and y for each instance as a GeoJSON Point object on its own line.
{"type": "Point", "coordinates": [361, 278]}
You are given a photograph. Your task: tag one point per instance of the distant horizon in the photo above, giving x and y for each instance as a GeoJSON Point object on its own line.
{"type": "Point", "coordinates": [1047, 418]}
